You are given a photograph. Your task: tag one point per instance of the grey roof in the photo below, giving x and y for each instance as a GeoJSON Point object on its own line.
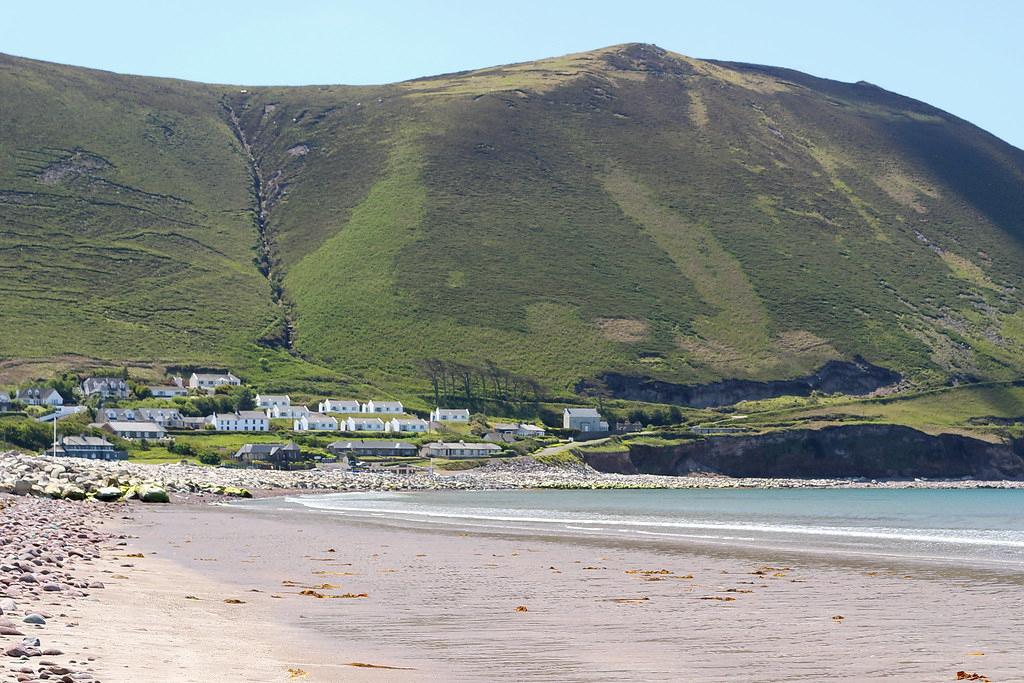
{"type": "Point", "coordinates": [252, 415]}
{"type": "Point", "coordinates": [408, 420]}
{"type": "Point", "coordinates": [356, 444]}
{"type": "Point", "coordinates": [582, 412]}
{"type": "Point", "coordinates": [167, 386]}
{"type": "Point", "coordinates": [36, 392]}
{"type": "Point", "coordinates": [393, 404]}
{"type": "Point", "coordinates": [214, 375]}
{"type": "Point", "coordinates": [462, 444]}
{"type": "Point", "coordinates": [136, 426]}
{"type": "Point", "coordinates": [85, 441]}
{"type": "Point", "coordinates": [452, 411]}
{"type": "Point", "coordinates": [265, 448]}
{"type": "Point", "coordinates": [505, 426]}
{"type": "Point", "coordinates": [275, 397]}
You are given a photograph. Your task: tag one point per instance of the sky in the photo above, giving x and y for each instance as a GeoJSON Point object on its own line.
{"type": "Point", "coordinates": [965, 57]}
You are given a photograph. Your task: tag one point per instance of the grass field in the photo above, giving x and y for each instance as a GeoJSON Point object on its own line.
{"type": "Point", "coordinates": [990, 409]}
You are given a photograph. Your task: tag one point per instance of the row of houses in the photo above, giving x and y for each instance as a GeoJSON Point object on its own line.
{"type": "Point", "coordinates": [283, 454]}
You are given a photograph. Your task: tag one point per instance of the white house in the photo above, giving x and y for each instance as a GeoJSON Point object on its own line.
{"type": "Point", "coordinates": [316, 422]}
{"type": "Point", "coordinates": [583, 420]}
{"type": "Point", "coordinates": [364, 423]}
{"type": "Point", "coordinates": [412, 425]}
{"type": "Point", "coordinates": [165, 417]}
{"type": "Point", "coordinates": [167, 390]}
{"type": "Point", "coordinates": [267, 401]}
{"type": "Point", "coordinates": [394, 407]}
{"type": "Point", "coordinates": [339, 405]}
{"type": "Point", "coordinates": [461, 449]}
{"type": "Point", "coordinates": [527, 431]}
{"type": "Point", "coordinates": [209, 381]}
{"type": "Point", "coordinates": [449, 415]}
{"type": "Point", "coordinates": [106, 387]}
{"type": "Point", "coordinates": [243, 421]}
{"type": "Point", "coordinates": [40, 396]}
{"type": "Point", "coordinates": [288, 412]}
{"type": "Point", "coordinates": [134, 429]}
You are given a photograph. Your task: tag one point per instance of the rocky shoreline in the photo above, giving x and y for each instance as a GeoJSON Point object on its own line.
{"type": "Point", "coordinates": [77, 479]}
{"type": "Point", "coordinates": [47, 554]}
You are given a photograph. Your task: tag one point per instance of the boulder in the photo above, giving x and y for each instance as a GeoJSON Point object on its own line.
{"type": "Point", "coordinates": [34, 619]}
{"type": "Point", "coordinates": [153, 494]}
{"type": "Point", "coordinates": [108, 494]}
{"type": "Point", "coordinates": [73, 493]}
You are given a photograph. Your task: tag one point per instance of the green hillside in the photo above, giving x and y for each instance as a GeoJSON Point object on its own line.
{"type": "Point", "coordinates": [626, 209]}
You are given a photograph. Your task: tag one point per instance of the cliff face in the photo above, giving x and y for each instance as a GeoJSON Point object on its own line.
{"type": "Point", "coordinates": [855, 377]}
{"type": "Point", "coordinates": [872, 451]}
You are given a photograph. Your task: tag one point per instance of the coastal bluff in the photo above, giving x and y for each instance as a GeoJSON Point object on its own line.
{"type": "Point", "coordinates": [877, 451]}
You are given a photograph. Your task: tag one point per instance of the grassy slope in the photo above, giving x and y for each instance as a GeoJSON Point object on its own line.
{"type": "Point", "coordinates": [623, 209]}
{"type": "Point", "coordinates": [983, 410]}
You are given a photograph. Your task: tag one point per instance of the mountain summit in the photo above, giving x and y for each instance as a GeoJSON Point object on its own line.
{"type": "Point", "coordinates": [627, 210]}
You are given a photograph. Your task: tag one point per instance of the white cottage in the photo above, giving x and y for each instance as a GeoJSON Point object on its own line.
{"type": "Point", "coordinates": [449, 415]}
{"type": "Point", "coordinates": [393, 407]}
{"type": "Point", "coordinates": [267, 401]}
{"type": "Point", "coordinates": [364, 423]}
{"type": "Point", "coordinates": [242, 421]}
{"type": "Point", "coordinates": [315, 422]}
{"type": "Point", "coordinates": [411, 425]}
{"type": "Point", "coordinates": [339, 405]}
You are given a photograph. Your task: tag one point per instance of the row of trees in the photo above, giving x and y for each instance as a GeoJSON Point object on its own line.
{"type": "Point", "coordinates": [474, 385]}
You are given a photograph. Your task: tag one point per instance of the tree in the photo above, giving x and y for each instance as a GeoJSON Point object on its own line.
{"type": "Point", "coordinates": [244, 399]}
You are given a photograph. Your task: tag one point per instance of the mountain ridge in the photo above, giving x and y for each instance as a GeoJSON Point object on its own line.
{"type": "Point", "coordinates": [622, 210]}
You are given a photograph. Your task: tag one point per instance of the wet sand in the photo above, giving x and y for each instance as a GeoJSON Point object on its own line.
{"type": "Point", "coordinates": [446, 604]}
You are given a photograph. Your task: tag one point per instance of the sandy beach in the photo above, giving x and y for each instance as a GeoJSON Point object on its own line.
{"type": "Point", "coordinates": [325, 598]}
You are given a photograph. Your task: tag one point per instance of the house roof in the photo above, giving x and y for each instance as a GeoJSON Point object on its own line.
{"type": "Point", "coordinates": [505, 426]}
{"type": "Point", "coordinates": [85, 441]}
{"type": "Point", "coordinates": [318, 417]}
{"type": "Point", "coordinates": [265, 448]}
{"type": "Point", "coordinates": [463, 444]}
{"type": "Point", "coordinates": [409, 420]}
{"type": "Point", "coordinates": [365, 418]}
{"type": "Point", "coordinates": [213, 375]}
{"type": "Point", "coordinates": [356, 444]}
{"type": "Point", "coordinates": [243, 415]}
{"type": "Point", "coordinates": [126, 426]}
{"type": "Point", "coordinates": [452, 411]}
{"type": "Point", "coordinates": [104, 380]}
{"type": "Point", "coordinates": [341, 400]}
{"type": "Point", "coordinates": [36, 392]}
{"type": "Point", "coordinates": [392, 404]}
{"type": "Point", "coordinates": [165, 387]}
{"type": "Point", "coordinates": [582, 412]}
{"type": "Point", "coordinates": [275, 397]}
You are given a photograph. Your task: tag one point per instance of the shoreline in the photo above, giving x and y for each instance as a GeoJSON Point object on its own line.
{"type": "Point", "coordinates": [446, 601]}
{"type": "Point", "coordinates": [204, 592]}
{"type": "Point", "coordinates": [52, 477]}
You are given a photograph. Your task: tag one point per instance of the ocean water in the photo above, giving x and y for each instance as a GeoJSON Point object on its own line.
{"type": "Point", "coordinates": [975, 527]}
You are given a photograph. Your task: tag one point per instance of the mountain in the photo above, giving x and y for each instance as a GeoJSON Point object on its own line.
{"type": "Point", "coordinates": [627, 210]}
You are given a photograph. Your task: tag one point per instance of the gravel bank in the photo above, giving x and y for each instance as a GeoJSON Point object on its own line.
{"type": "Point", "coordinates": [77, 478]}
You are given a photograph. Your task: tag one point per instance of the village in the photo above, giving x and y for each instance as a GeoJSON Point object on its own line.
{"type": "Point", "coordinates": [119, 418]}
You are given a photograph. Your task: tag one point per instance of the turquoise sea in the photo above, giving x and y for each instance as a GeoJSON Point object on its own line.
{"type": "Point", "coordinates": [955, 526]}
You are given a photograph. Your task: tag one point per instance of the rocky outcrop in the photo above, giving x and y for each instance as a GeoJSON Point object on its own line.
{"type": "Point", "coordinates": [849, 451]}
{"type": "Point", "coordinates": [856, 378]}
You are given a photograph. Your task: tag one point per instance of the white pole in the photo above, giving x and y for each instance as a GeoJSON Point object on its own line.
{"type": "Point", "coordinates": [55, 434]}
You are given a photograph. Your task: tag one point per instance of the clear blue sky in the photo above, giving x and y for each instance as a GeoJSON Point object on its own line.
{"type": "Point", "coordinates": [966, 57]}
